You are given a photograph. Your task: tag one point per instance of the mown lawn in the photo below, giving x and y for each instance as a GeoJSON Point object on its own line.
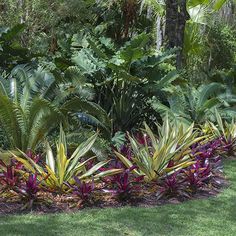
{"type": "Point", "coordinates": [216, 216]}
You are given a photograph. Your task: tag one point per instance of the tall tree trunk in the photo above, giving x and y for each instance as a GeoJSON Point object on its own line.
{"type": "Point", "coordinates": [176, 18]}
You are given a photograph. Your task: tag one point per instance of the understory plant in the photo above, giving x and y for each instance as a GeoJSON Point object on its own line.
{"type": "Point", "coordinates": [15, 181]}
{"type": "Point", "coordinates": [163, 155]}
{"type": "Point", "coordinates": [208, 156]}
{"type": "Point", "coordinates": [125, 78]}
{"type": "Point", "coordinates": [82, 189]}
{"type": "Point", "coordinates": [33, 102]}
{"type": "Point", "coordinates": [172, 186]}
{"type": "Point", "coordinates": [197, 175]}
{"type": "Point", "coordinates": [189, 104]}
{"type": "Point", "coordinates": [175, 177]}
{"type": "Point", "coordinates": [28, 190]}
{"type": "Point", "coordinates": [124, 184]}
{"type": "Point", "coordinates": [9, 178]}
{"type": "Point", "coordinates": [225, 132]}
{"type": "Point", "coordinates": [205, 174]}
{"type": "Point", "coordinates": [62, 169]}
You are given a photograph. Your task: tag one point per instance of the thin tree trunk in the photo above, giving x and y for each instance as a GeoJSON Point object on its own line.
{"type": "Point", "coordinates": [159, 32]}
{"type": "Point", "coordinates": [171, 22]}
{"type": "Point", "coordinates": [176, 18]}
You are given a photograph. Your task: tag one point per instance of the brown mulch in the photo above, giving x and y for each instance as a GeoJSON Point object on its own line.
{"type": "Point", "coordinates": [57, 203]}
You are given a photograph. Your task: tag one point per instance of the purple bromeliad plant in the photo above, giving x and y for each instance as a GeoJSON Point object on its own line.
{"type": "Point", "coordinates": [26, 185]}
{"type": "Point", "coordinates": [198, 175]}
{"type": "Point", "coordinates": [208, 164]}
{"type": "Point", "coordinates": [209, 153]}
{"type": "Point", "coordinates": [29, 188]}
{"type": "Point", "coordinates": [35, 157]}
{"type": "Point", "coordinates": [173, 186]}
{"type": "Point", "coordinates": [9, 176]}
{"type": "Point", "coordinates": [123, 184]}
{"type": "Point", "coordinates": [203, 174]}
{"type": "Point", "coordinates": [82, 189]}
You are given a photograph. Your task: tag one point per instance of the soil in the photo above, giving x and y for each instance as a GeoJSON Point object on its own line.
{"type": "Point", "coordinates": [57, 203]}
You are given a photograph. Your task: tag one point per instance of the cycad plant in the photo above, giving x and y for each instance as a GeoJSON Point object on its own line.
{"type": "Point", "coordinates": [25, 117]}
{"type": "Point", "coordinates": [33, 102]}
{"type": "Point", "coordinates": [163, 155]}
{"type": "Point", "coordinates": [190, 104]}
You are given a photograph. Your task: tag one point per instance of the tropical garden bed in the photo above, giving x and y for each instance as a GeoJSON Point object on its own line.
{"type": "Point", "coordinates": [110, 105]}
{"type": "Point", "coordinates": [179, 164]}
{"type": "Point", "coordinates": [197, 217]}
{"type": "Point", "coordinates": [72, 204]}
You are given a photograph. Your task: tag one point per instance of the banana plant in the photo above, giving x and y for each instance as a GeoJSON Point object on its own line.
{"type": "Point", "coordinates": [60, 169]}
{"type": "Point", "coordinates": [163, 155]}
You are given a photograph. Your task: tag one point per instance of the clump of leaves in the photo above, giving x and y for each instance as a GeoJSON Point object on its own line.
{"type": "Point", "coordinates": [208, 167]}
{"type": "Point", "coordinates": [209, 152]}
{"type": "Point", "coordinates": [9, 176]}
{"type": "Point", "coordinates": [61, 169]}
{"type": "Point", "coordinates": [28, 190]}
{"type": "Point", "coordinates": [124, 184]}
{"type": "Point", "coordinates": [203, 174]}
{"type": "Point", "coordinates": [20, 182]}
{"type": "Point", "coordinates": [82, 189]}
{"type": "Point", "coordinates": [197, 175]}
{"type": "Point", "coordinates": [118, 140]}
{"type": "Point", "coordinates": [226, 133]}
{"type": "Point", "coordinates": [152, 155]}
{"type": "Point", "coordinates": [173, 186]}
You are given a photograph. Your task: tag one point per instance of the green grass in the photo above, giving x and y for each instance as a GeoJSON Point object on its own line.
{"type": "Point", "coordinates": [215, 216]}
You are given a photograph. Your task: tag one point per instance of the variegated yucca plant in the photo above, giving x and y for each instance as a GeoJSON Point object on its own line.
{"type": "Point", "coordinates": [162, 155]}
{"type": "Point", "coordinates": [60, 169]}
